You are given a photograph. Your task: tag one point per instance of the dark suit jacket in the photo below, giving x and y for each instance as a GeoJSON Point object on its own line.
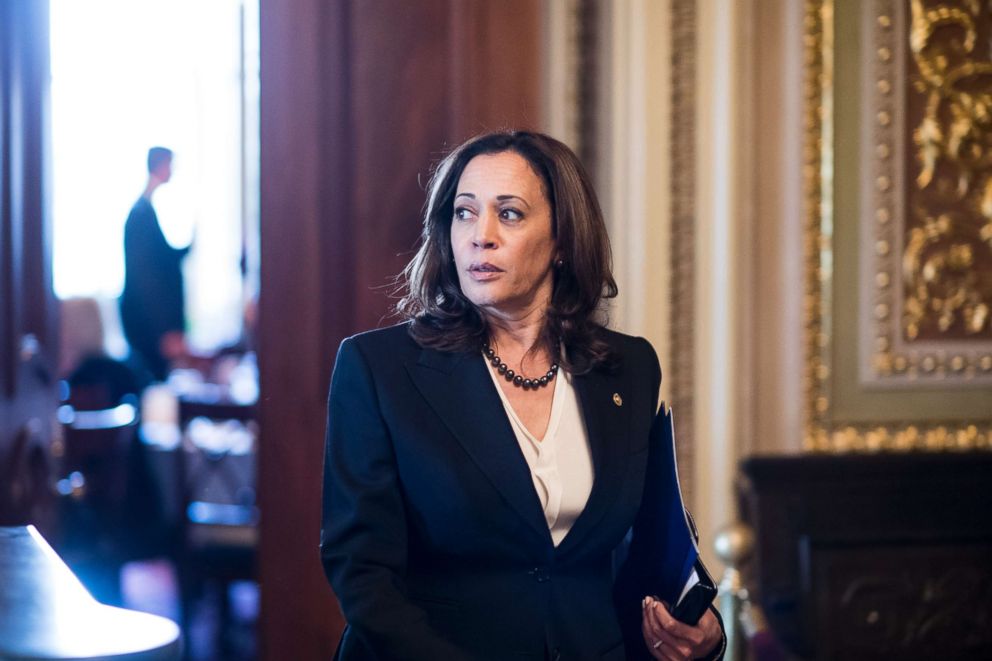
{"type": "Point", "coordinates": [433, 537]}
{"type": "Point", "coordinates": [152, 303]}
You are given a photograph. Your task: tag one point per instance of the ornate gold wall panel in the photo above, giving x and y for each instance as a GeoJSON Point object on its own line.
{"type": "Point", "coordinates": [898, 343]}
{"type": "Point", "coordinates": [927, 203]}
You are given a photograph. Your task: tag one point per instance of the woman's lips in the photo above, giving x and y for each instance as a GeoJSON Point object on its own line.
{"type": "Point", "coordinates": [484, 271]}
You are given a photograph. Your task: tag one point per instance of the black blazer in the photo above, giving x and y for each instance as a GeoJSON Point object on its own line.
{"type": "Point", "coordinates": [433, 537]}
{"type": "Point", "coordinates": [152, 302]}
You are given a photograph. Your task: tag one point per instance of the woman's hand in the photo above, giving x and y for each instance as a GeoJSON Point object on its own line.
{"type": "Point", "coordinates": [671, 640]}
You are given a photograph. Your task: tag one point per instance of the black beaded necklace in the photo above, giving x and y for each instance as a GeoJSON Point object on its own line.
{"type": "Point", "coordinates": [517, 379]}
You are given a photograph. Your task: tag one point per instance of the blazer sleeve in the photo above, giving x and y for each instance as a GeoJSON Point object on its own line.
{"type": "Point", "coordinates": [364, 529]}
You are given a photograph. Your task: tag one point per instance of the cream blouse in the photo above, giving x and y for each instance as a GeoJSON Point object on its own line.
{"type": "Point", "coordinates": [560, 463]}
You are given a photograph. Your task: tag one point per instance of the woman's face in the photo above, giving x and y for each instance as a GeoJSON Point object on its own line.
{"type": "Point", "coordinates": [501, 236]}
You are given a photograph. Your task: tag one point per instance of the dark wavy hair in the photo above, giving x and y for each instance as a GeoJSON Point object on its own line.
{"type": "Point", "coordinates": [442, 316]}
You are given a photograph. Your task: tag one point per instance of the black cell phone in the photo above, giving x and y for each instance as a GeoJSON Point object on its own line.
{"type": "Point", "coordinates": [698, 599]}
{"type": "Point", "coordinates": [694, 604]}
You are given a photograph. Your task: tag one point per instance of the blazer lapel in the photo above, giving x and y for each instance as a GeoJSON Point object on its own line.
{"type": "Point", "coordinates": [608, 427]}
{"type": "Point", "coordinates": [463, 395]}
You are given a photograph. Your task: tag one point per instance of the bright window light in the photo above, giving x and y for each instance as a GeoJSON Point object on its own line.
{"type": "Point", "coordinates": [130, 74]}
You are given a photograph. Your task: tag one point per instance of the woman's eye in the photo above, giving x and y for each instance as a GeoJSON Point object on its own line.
{"type": "Point", "coordinates": [462, 213]}
{"type": "Point", "coordinates": [510, 214]}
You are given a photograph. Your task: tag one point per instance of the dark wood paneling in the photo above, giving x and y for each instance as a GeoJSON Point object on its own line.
{"type": "Point", "coordinates": [304, 303]}
{"type": "Point", "coordinates": [40, 309]}
{"type": "Point", "coordinates": [496, 59]}
{"type": "Point", "coordinates": [401, 106]}
{"type": "Point", "coordinates": [358, 100]}
{"type": "Point", "coordinates": [27, 306]}
{"type": "Point", "coordinates": [871, 557]}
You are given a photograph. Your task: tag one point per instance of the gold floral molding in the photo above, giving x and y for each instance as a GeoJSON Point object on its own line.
{"type": "Point", "coordinates": [823, 432]}
{"type": "Point", "coordinates": [926, 309]}
{"type": "Point", "coordinates": [929, 437]}
{"type": "Point", "coordinates": [944, 287]}
{"type": "Point", "coordinates": [817, 178]}
{"type": "Point", "coordinates": [944, 283]}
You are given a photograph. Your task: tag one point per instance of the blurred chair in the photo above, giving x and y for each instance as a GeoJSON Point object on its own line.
{"type": "Point", "coordinates": [219, 526]}
{"type": "Point", "coordinates": [94, 509]}
{"type": "Point", "coordinates": [99, 380]}
{"type": "Point", "coordinates": [81, 332]}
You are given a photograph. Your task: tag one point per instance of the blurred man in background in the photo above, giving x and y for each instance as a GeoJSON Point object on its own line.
{"type": "Point", "coordinates": [152, 304]}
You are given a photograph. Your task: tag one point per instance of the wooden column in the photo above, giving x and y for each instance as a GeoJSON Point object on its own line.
{"type": "Point", "coordinates": [358, 100]}
{"type": "Point", "coordinates": [27, 304]}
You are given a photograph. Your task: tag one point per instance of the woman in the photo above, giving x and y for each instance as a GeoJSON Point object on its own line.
{"type": "Point", "coordinates": [485, 458]}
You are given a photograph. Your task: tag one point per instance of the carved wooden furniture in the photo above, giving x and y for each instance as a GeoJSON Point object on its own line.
{"type": "Point", "coordinates": [874, 556]}
{"type": "Point", "coordinates": [46, 613]}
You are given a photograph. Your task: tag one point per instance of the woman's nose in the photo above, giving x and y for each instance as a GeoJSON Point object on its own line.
{"type": "Point", "coordinates": [485, 231]}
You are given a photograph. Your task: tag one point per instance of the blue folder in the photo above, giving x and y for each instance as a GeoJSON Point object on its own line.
{"type": "Point", "coordinates": [663, 553]}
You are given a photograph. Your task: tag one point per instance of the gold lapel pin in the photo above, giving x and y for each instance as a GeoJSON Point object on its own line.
{"type": "Point", "coordinates": [617, 399]}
